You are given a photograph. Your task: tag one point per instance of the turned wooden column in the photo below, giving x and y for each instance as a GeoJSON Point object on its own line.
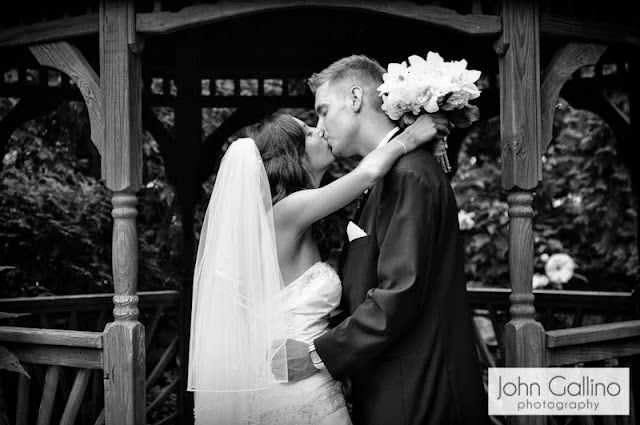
{"type": "Point", "coordinates": [519, 61]}
{"type": "Point", "coordinates": [120, 81]}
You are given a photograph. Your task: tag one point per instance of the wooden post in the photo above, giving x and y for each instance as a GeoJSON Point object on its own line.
{"type": "Point", "coordinates": [188, 125]}
{"type": "Point", "coordinates": [634, 121]}
{"type": "Point", "coordinates": [519, 61]}
{"type": "Point", "coordinates": [124, 352]}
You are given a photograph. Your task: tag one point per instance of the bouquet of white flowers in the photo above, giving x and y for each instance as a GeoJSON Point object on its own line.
{"type": "Point", "coordinates": [431, 85]}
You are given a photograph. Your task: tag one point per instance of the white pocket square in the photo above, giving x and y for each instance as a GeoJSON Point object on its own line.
{"type": "Point", "coordinates": [354, 232]}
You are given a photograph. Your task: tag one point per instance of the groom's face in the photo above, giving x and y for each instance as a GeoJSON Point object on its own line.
{"type": "Point", "coordinates": [336, 118]}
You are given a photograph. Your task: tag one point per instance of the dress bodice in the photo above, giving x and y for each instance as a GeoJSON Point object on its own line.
{"type": "Point", "coordinates": [309, 301]}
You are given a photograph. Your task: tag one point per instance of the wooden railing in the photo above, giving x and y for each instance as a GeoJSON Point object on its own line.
{"type": "Point", "coordinates": [70, 358]}
{"type": "Point", "coordinates": [606, 345]}
{"type": "Point", "coordinates": [555, 309]}
{"type": "Point", "coordinates": [614, 341]}
{"type": "Point", "coordinates": [52, 349]}
{"type": "Point", "coordinates": [74, 352]}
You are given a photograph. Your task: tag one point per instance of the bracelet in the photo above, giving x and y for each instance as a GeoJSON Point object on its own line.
{"type": "Point", "coordinates": [403, 146]}
{"type": "Point", "coordinates": [315, 358]}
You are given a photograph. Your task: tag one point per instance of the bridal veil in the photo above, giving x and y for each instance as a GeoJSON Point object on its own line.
{"type": "Point", "coordinates": [237, 325]}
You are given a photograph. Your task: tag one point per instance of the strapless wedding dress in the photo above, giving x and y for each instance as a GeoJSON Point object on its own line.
{"type": "Point", "coordinates": [318, 399]}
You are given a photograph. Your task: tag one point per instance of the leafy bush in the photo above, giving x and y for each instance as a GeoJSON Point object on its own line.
{"type": "Point", "coordinates": [56, 225]}
{"type": "Point", "coordinates": [583, 207]}
{"type": "Point", "coordinates": [55, 212]}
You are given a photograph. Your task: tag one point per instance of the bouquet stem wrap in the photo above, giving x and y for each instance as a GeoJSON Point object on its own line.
{"type": "Point", "coordinates": [439, 146]}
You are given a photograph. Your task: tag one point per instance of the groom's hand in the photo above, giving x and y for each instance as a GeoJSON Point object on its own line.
{"type": "Point", "coordinates": [298, 360]}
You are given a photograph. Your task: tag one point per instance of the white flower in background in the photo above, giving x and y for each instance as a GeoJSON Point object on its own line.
{"type": "Point", "coordinates": [559, 268]}
{"type": "Point", "coordinates": [540, 281]}
{"type": "Point", "coordinates": [465, 219]}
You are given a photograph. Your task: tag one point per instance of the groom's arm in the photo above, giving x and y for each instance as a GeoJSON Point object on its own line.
{"type": "Point", "coordinates": [406, 230]}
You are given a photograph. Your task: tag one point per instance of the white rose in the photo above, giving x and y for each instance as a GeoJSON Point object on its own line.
{"type": "Point", "coordinates": [465, 219]}
{"type": "Point", "coordinates": [540, 281]}
{"type": "Point", "coordinates": [394, 79]}
{"type": "Point", "coordinates": [559, 268]}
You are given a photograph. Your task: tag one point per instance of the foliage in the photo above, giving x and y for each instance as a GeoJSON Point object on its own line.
{"type": "Point", "coordinates": [583, 207]}
{"type": "Point", "coordinates": [477, 188]}
{"type": "Point", "coordinates": [56, 225]}
{"type": "Point", "coordinates": [55, 212]}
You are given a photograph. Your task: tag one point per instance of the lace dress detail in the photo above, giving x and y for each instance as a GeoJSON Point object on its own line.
{"type": "Point", "coordinates": [308, 413]}
{"type": "Point", "coordinates": [310, 299]}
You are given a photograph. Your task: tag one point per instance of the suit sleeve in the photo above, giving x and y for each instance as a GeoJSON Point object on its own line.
{"type": "Point", "coordinates": [406, 233]}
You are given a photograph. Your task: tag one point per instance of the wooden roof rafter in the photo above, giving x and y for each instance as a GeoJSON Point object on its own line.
{"type": "Point", "coordinates": [165, 22]}
{"type": "Point", "coordinates": [160, 23]}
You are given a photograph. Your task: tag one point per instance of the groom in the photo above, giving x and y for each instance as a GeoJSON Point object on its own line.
{"type": "Point", "coordinates": [407, 343]}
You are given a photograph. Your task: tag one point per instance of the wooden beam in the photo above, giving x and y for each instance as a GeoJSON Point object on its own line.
{"type": "Point", "coordinates": [88, 302]}
{"type": "Point", "coordinates": [121, 84]}
{"type": "Point", "coordinates": [592, 352]}
{"type": "Point", "coordinates": [238, 101]}
{"type": "Point", "coordinates": [519, 61]}
{"type": "Point", "coordinates": [22, 402]}
{"type": "Point", "coordinates": [88, 358]}
{"type": "Point", "coordinates": [589, 30]}
{"type": "Point", "coordinates": [593, 333]}
{"type": "Point", "coordinates": [589, 301]}
{"type": "Point", "coordinates": [68, 59]}
{"type": "Point", "coordinates": [188, 131]}
{"type": "Point", "coordinates": [51, 337]}
{"type": "Point", "coordinates": [166, 142]}
{"type": "Point", "coordinates": [247, 114]}
{"type": "Point", "coordinates": [46, 32]}
{"type": "Point", "coordinates": [48, 395]}
{"type": "Point", "coordinates": [591, 97]}
{"type": "Point", "coordinates": [75, 397]}
{"type": "Point", "coordinates": [157, 23]}
{"type": "Point", "coordinates": [519, 50]}
{"type": "Point", "coordinates": [567, 60]}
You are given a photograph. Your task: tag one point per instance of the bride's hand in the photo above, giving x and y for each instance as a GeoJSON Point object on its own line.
{"type": "Point", "coordinates": [426, 128]}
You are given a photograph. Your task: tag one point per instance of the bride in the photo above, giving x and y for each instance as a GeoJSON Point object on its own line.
{"type": "Point", "coordinates": [259, 278]}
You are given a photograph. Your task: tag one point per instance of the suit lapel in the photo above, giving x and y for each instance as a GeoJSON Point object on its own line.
{"type": "Point", "coordinates": [362, 200]}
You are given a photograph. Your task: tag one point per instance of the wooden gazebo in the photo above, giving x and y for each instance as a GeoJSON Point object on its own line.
{"type": "Point", "coordinates": [112, 52]}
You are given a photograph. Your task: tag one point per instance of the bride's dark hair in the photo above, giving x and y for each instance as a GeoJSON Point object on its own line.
{"type": "Point", "coordinates": [281, 141]}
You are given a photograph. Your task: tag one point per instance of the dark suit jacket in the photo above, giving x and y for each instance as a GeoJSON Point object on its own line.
{"type": "Point", "coordinates": [407, 343]}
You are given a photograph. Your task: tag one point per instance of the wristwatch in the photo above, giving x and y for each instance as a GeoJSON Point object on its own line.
{"type": "Point", "coordinates": [315, 357]}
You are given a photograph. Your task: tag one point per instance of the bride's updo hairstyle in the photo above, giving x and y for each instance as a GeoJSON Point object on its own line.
{"type": "Point", "coordinates": [281, 141]}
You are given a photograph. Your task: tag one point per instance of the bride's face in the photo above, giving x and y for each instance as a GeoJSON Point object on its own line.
{"type": "Point", "coordinates": [318, 153]}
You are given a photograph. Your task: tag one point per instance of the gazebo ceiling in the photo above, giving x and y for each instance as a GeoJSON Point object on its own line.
{"type": "Point", "coordinates": [302, 40]}
{"type": "Point", "coordinates": [296, 41]}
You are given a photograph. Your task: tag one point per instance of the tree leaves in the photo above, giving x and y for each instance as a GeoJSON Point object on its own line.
{"type": "Point", "coordinates": [8, 361]}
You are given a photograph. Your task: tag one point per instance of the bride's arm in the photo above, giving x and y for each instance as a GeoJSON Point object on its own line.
{"type": "Point", "coordinates": [303, 208]}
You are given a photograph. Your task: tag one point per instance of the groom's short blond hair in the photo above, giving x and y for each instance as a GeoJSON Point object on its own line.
{"type": "Point", "coordinates": [359, 69]}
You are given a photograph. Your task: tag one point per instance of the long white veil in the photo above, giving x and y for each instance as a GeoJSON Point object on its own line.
{"type": "Point", "coordinates": [237, 325]}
